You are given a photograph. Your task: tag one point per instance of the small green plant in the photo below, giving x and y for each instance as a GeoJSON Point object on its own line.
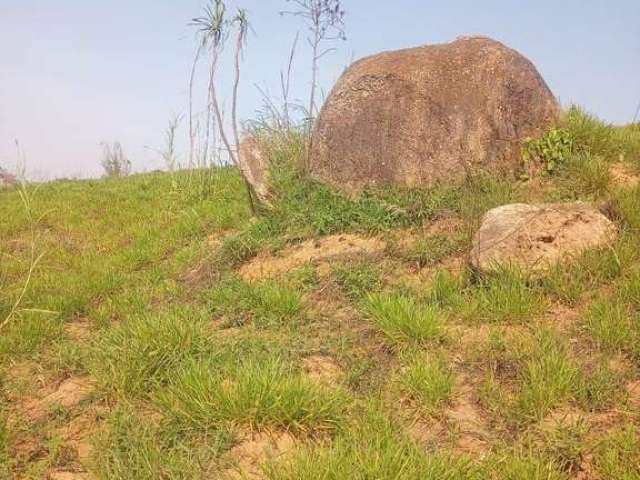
{"type": "Point", "coordinates": [402, 319]}
{"type": "Point", "coordinates": [552, 150]}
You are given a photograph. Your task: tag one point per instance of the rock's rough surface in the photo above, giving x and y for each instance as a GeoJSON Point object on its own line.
{"type": "Point", "coordinates": [536, 237]}
{"type": "Point", "coordinates": [418, 116]}
{"type": "Point", "coordinates": [254, 167]}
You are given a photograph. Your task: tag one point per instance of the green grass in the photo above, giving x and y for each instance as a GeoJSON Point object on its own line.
{"type": "Point", "coordinates": [132, 447]}
{"type": "Point", "coordinates": [257, 394]}
{"type": "Point", "coordinates": [428, 380]}
{"type": "Point", "coordinates": [619, 456]}
{"type": "Point", "coordinates": [142, 353]}
{"type": "Point", "coordinates": [373, 447]}
{"type": "Point", "coordinates": [402, 319]}
{"type": "Point", "coordinates": [358, 279]}
{"type": "Point", "coordinates": [264, 305]}
{"type": "Point", "coordinates": [506, 296]}
{"type": "Point", "coordinates": [548, 377]}
{"type": "Point", "coordinates": [612, 325]}
{"type": "Point", "coordinates": [139, 290]}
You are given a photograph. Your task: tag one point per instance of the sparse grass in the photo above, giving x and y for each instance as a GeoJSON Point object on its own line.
{"type": "Point", "coordinates": [402, 319]}
{"type": "Point", "coordinates": [428, 380]}
{"type": "Point", "coordinates": [618, 457]}
{"type": "Point", "coordinates": [612, 325]}
{"type": "Point", "coordinates": [430, 251]}
{"type": "Point", "coordinates": [207, 395]}
{"type": "Point", "coordinates": [4, 447]}
{"type": "Point", "coordinates": [548, 377]}
{"type": "Point", "coordinates": [373, 447]}
{"type": "Point", "coordinates": [134, 448]}
{"type": "Point", "coordinates": [358, 279]}
{"type": "Point", "coordinates": [447, 290]}
{"type": "Point", "coordinates": [601, 388]}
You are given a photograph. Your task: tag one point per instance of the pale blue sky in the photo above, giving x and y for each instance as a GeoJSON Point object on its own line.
{"type": "Point", "coordinates": [77, 72]}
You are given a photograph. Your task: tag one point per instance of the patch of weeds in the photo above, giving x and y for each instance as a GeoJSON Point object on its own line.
{"type": "Point", "coordinates": [601, 388]}
{"type": "Point", "coordinates": [27, 333]}
{"type": "Point", "coordinates": [264, 304]}
{"type": "Point", "coordinates": [258, 394]}
{"type": "Point", "coordinates": [428, 380]}
{"type": "Point", "coordinates": [358, 279]}
{"type": "Point", "coordinates": [551, 150]}
{"type": "Point", "coordinates": [570, 280]}
{"type": "Point", "coordinates": [133, 448]}
{"type": "Point", "coordinates": [134, 357]}
{"type": "Point", "coordinates": [306, 208]}
{"type": "Point", "coordinates": [548, 377]}
{"type": "Point", "coordinates": [618, 457]}
{"type": "Point", "coordinates": [611, 325]}
{"type": "Point", "coordinates": [505, 296]}
{"type": "Point", "coordinates": [402, 319]}
{"type": "Point", "coordinates": [373, 447]}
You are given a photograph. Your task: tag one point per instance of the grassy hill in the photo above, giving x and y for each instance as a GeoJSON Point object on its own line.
{"type": "Point", "coordinates": [150, 328]}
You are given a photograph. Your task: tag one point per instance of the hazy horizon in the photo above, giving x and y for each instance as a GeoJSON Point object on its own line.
{"type": "Point", "coordinates": [81, 72]}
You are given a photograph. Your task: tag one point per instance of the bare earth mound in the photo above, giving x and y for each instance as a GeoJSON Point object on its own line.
{"type": "Point", "coordinates": [418, 116]}
{"type": "Point", "coordinates": [267, 266]}
{"type": "Point", "coordinates": [536, 237]}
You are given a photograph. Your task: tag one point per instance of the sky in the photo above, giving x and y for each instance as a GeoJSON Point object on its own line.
{"type": "Point", "coordinates": [76, 73]}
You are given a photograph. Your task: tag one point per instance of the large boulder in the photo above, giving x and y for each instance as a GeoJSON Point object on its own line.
{"type": "Point", "coordinates": [423, 115]}
{"type": "Point", "coordinates": [534, 238]}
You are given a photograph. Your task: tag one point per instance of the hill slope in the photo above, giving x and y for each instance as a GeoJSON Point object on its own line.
{"type": "Point", "coordinates": [165, 334]}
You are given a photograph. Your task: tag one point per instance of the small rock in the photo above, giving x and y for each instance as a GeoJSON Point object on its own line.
{"type": "Point", "coordinates": [536, 237]}
{"type": "Point", "coordinates": [255, 168]}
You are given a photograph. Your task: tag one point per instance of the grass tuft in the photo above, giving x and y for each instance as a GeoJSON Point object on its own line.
{"type": "Point", "coordinates": [402, 319]}
{"type": "Point", "coordinates": [428, 380]}
{"type": "Point", "coordinates": [257, 394]}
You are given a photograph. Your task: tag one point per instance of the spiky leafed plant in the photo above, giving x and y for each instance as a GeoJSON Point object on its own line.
{"type": "Point", "coordinates": [325, 21]}
{"type": "Point", "coordinates": [213, 30]}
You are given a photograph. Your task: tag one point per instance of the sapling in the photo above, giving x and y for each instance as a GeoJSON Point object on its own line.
{"type": "Point", "coordinates": [214, 29]}
{"type": "Point", "coordinates": [325, 22]}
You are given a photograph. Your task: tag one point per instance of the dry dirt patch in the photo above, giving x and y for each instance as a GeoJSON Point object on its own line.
{"type": "Point", "coordinates": [69, 394]}
{"type": "Point", "coordinates": [623, 176]}
{"type": "Point", "coordinates": [323, 369]}
{"type": "Point", "coordinates": [253, 451]}
{"type": "Point", "coordinates": [311, 251]}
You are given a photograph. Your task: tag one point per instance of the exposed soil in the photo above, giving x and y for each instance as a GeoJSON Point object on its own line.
{"type": "Point", "coordinates": [623, 176]}
{"type": "Point", "coordinates": [246, 458]}
{"type": "Point", "coordinates": [312, 251]}
{"type": "Point", "coordinates": [69, 394]}
{"type": "Point", "coordinates": [323, 369]}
